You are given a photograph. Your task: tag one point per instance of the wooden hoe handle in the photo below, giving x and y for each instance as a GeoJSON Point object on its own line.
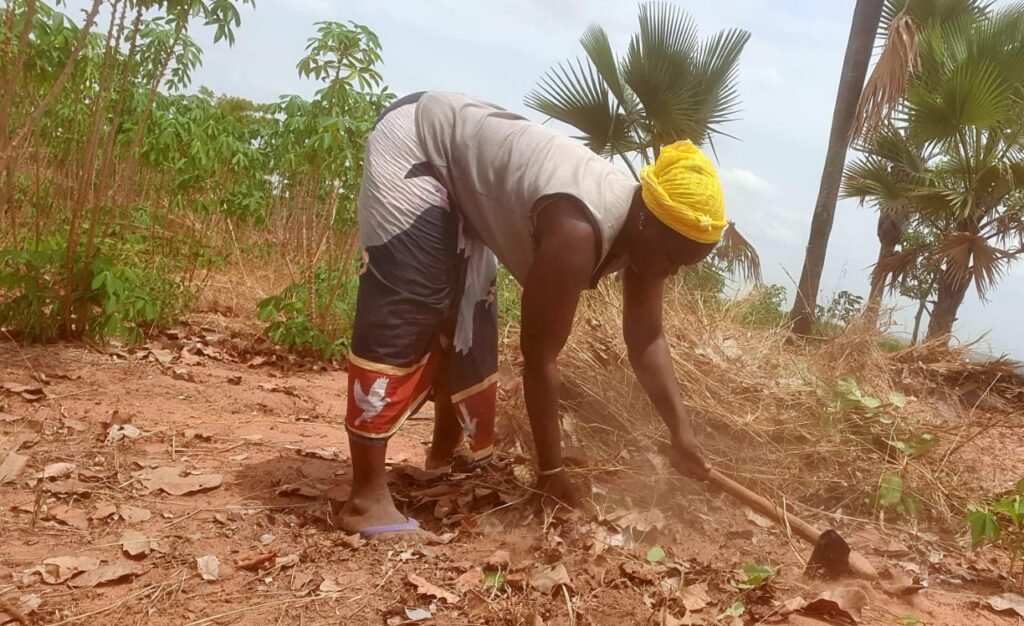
{"type": "Point", "coordinates": [858, 564]}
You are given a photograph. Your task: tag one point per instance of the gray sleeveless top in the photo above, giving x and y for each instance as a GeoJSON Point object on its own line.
{"type": "Point", "coordinates": [498, 165]}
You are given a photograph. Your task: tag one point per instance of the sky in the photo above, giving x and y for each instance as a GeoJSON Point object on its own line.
{"type": "Point", "coordinates": [497, 50]}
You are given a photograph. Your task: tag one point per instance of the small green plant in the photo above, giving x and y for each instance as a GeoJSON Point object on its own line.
{"type": "Point", "coordinates": [1000, 523]}
{"type": "Point", "coordinates": [509, 297]}
{"type": "Point", "coordinates": [883, 426]}
{"type": "Point", "coordinates": [842, 309]}
{"type": "Point", "coordinates": [756, 576]}
{"type": "Point", "coordinates": [908, 620]}
{"type": "Point", "coordinates": [764, 307]}
{"type": "Point", "coordinates": [313, 316]}
{"type": "Point", "coordinates": [655, 554]}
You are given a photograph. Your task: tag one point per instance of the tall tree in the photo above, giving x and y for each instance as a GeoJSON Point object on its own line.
{"type": "Point", "coordinates": [866, 17]}
{"type": "Point", "coordinates": [953, 156]}
{"type": "Point", "coordinates": [670, 85]}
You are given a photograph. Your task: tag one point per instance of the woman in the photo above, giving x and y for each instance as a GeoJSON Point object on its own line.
{"type": "Point", "coordinates": [450, 183]}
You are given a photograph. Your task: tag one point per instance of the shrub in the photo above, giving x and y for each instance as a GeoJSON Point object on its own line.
{"type": "Point", "coordinates": [313, 316]}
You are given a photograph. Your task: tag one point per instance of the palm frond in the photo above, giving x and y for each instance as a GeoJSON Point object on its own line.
{"type": "Point", "coordinates": [575, 93]}
{"type": "Point", "coordinates": [968, 256]}
{"type": "Point", "coordinates": [896, 267]}
{"type": "Point", "coordinates": [717, 70]}
{"type": "Point", "coordinates": [887, 85]}
{"type": "Point", "coordinates": [738, 255]}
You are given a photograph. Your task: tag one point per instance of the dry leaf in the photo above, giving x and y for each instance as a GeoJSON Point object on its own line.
{"type": "Point", "coordinates": [417, 615]}
{"type": "Point", "coordinates": [12, 466]}
{"type": "Point", "coordinates": [135, 543]}
{"type": "Point", "coordinates": [328, 454]}
{"type": "Point", "coordinates": [32, 393]}
{"type": "Point", "coordinates": [58, 569]}
{"type": "Point", "coordinates": [329, 586]}
{"type": "Point", "coordinates": [758, 519]}
{"type": "Point", "coordinates": [548, 579]}
{"type": "Point", "coordinates": [108, 574]}
{"type": "Point", "coordinates": [120, 432]}
{"type": "Point", "coordinates": [352, 541]}
{"type": "Point", "coordinates": [695, 597]}
{"type": "Point", "coordinates": [164, 357]}
{"type": "Point", "coordinates": [642, 521]}
{"type": "Point", "coordinates": [70, 486]}
{"type": "Point", "coordinates": [182, 374]}
{"type": "Point", "coordinates": [304, 491]}
{"type": "Point", "coordinates": [209, 567]}
{"type": "Point", "coordinates": [134, 515]}
{"type": "Point", "coordinates": [58, 470]}
{"type": "Point", "coordinates": [499, 560]}
{"type": "Point", "coordinates": [25, 604]}
{"type": "Point", "coordinates": [428, 589]}
{"type": "Point", "coordinates": [843, 604]}
{"type": "Point", "coordinates": [170, 480]}
{"type": "Point", "coordinates": [288, 560]}
{"type": "Point", "coordinates": [257, 562]}
{"type": "Point", "coordinates": [69, 515]}
{"type": "Point", "coordinates": [792, 605]}
{"type": "Point", "coordinates": [476, 604]}
{"type": "Point", "coordinates": [104, 511]}
{"type": "Point", "coordinates": [469, 581]}
{"type": "Point", "coordinates": [1007, 602]}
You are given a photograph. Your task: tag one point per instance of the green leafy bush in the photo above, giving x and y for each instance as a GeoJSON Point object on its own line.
{"type": "Point", "coordinates": [313, 316]}
{"type": "Point", "coordinates": [118, 293]}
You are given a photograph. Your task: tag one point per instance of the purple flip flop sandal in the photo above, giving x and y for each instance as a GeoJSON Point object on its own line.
{"type": "Point", "coordinates": [408, 526]}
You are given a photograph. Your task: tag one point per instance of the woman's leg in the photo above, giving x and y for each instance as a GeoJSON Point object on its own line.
{"type": "Point", "coordinates": [410, 239]}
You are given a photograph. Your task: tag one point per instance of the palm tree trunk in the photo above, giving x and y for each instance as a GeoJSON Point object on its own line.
{"type": "Point", "coordinates": [866, 17]}
{"type": "Point", "coordinates": [878, 281]}
{"type": "Point", "coordinates": [922, 304]}
{"type": "Point", "coordinates": [950, 297]}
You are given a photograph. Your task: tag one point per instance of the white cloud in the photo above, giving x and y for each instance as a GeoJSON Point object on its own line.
{"type": "Point", "coordinates": [746, 180]}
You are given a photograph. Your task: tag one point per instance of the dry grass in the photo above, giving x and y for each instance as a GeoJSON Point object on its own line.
{"type": "Point", "coordinates": [761, 405]}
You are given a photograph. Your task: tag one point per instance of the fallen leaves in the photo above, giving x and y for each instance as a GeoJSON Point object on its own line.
{"type": "Point", "coordinates": [136, 544]}
{"type": "Point", "coordinates": [209, 567]}
{"type": "Point", "coordinates": [69, 515]}
{"type": "Point", "coordinates": [258, 562]}
{"type": "Point", "coordinates": [425, 588]}
{"type": "Point", "coordinates": [30, 393]}
{"type": "Point", "coordinates": [68, 487]}
{"type": "Point", "coordinates": [58, 470]}
{"type": "Point", "coordinates": [133, 514]}
{"type": "Point", "coordinates": [12, 466]}
{"type": "Point", "coordinates": [695, 597]}
{"type": "Point", "coordinates": [18, 610]}
{"type": "Point", "coordinates": [304, 491]}
{"type": "Point", "coordinates": [1007, 602]}
{"type": "Point", "coordinates": [548, 579]}
{"type": "Point", "coordinates": [108, 574]}
{"type": "Point", "coordinates": [171, 480]}
{"type": "Point", "coordinates": [120, 432]}
{"type": "Point", "coordinates": [57, 570]}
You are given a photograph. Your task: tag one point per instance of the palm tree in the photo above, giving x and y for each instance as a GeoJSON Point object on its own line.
{"type": "Point", "coordinates": [866, 17]}
{"type": "Point", "coordinates": [668, 86]}
{"type": "Point", "coordinates": [950, 152]}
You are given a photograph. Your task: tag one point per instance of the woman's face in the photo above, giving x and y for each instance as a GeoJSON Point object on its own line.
{"type": "Point", "coordinates": [659, 251]}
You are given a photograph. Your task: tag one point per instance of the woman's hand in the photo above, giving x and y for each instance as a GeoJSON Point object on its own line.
{"type": "Point", "coordinates": [685, 456]}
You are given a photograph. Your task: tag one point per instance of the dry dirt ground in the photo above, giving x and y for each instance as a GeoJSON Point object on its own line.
{"type": "Point", "coordinates": [191, 482]}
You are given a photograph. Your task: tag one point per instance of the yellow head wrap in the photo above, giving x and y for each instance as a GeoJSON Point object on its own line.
{"type": "Point", "coordinates": [683, 191]}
